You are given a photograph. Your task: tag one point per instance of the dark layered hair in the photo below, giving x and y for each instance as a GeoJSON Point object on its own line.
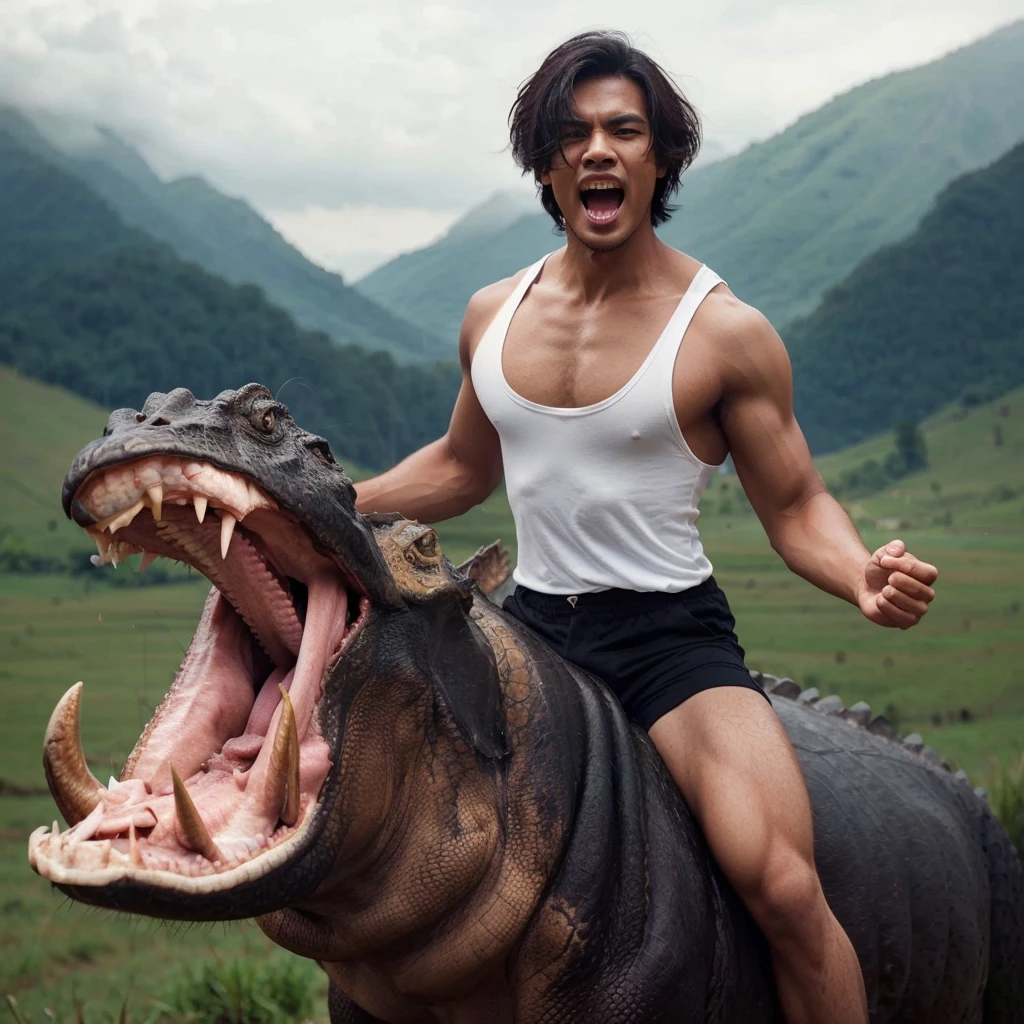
{"type": "Point", "coordinates": [545, 103]}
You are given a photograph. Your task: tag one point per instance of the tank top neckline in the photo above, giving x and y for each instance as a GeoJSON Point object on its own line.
{"type": "Point", "coordinates": [515, 300]}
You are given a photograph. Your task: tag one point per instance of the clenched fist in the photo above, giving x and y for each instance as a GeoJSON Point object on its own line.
{"type": "Point", "coordinates": [897, 587]}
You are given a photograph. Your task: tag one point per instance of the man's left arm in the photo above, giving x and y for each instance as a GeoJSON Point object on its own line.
{"type": "Point", "coordinates": [805, 524]}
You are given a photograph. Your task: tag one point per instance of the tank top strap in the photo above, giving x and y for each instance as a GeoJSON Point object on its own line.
{"type": "Point", "coordinates": [666, 348]}
{"type": "Point", "coordinates": [494, 337]}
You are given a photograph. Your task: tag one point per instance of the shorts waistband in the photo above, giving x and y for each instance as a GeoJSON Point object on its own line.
{"type": "Point", "coordinates": [615, 596]}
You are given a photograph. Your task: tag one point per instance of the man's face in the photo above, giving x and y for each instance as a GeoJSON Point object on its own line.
{"type": "Point", "coordinates": [604, 178]}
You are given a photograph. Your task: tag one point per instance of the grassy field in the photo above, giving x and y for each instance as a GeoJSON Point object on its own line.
{"type": "Point", "coordinates": [958, 678]}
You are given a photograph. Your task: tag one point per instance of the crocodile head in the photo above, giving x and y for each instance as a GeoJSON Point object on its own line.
{"type": "Point", "coordinates": [226, 806]}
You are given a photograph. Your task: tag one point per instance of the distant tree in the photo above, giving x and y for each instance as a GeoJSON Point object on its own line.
{"type": "Point", "coordinates": [910, 446]}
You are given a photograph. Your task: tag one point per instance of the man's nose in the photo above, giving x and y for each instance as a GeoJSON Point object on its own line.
{"type": "Point", "coordinates": [599, 150]}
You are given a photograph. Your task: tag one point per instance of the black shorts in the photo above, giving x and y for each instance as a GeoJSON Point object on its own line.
{"type": "Point", "coordinates": [654, 650]}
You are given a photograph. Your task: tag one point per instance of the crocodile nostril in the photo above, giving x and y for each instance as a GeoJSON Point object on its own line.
{"type": "Point", "coordinates": [140, 417]}
{"type": "Point", "coordinates": [159, 421]}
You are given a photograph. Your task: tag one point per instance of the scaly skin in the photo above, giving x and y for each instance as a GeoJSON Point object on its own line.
{"type": "Point", "coordinates": [496, 843]}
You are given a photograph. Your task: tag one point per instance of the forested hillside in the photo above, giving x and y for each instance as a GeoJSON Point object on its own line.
{"type": "Point", "coordinates": [919, 322]}
{"type": "Point", "coordinates": [786, 218]}
{"type": "Point", "coordinates": [229, 238]}
{"type": "Point", "coordinates": [98, 307]}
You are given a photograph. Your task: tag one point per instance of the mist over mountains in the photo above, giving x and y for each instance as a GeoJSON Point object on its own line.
{"type": "Point", "coordinates": [104, 310]}
{"type": "Point", "coordinates": [226, 236]}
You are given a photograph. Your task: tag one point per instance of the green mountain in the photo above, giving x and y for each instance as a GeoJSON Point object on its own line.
{"type": "Point", "coordinates": [921, 320]}
{"type": "Point", "coordinates": [96, 306]}
{"type": "Point", "coordinates": [229, 238]}
{"type": "Point", "coordinates": [786, 218]}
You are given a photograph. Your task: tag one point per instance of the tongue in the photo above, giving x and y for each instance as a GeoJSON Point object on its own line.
{"type": "Point", "coordinates": [604, 202]}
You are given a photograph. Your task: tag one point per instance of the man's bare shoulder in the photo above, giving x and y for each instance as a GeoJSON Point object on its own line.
{"type": "Point", "coordinates": [742, 337]}
{"type": "Point", "coordinates": [481, 309]}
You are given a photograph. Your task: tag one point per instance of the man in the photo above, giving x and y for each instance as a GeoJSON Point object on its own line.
{"type": "Point", "coordinates": [607, 382]}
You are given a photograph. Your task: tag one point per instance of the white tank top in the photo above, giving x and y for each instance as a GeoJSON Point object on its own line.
{"type": "Point", "coordinates": [604, 495]}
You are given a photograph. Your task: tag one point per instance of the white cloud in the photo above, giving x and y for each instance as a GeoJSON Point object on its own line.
{"type": "Point", "coordinates": [306, 105]}
{"type": "Point", "coordinates": [356, 239]}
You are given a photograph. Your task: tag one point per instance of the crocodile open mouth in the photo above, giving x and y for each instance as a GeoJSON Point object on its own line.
{"type": "Point", "coordinates": [227, 775]}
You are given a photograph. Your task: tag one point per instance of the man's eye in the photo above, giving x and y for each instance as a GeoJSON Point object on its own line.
{"type": "Point", "coordinates": [627, 131]}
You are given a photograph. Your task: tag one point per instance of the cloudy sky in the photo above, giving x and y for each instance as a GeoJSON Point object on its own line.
{"type": "Point", "coordinates": [362, 129]}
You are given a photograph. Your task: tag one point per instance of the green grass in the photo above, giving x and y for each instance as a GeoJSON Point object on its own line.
{"type": "Point", "coordinates": [42, 429]}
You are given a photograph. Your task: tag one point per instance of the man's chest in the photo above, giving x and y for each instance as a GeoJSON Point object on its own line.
{"type": "Point", "coordinates": [561, 355]}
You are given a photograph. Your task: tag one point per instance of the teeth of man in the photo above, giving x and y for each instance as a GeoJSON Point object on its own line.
{"type": "Point", "coordinates": [599, 185]}
{"type": "Point", "coordinates": [200, 502]}
{"type": "Point", "coordinates": [227, 529]}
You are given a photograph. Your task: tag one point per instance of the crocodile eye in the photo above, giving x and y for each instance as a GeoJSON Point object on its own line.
{"type": "Point", "coordinates": [264, 416]}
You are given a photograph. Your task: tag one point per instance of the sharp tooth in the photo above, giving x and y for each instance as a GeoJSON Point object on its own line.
{"type": "Point", "coordinates": [227, 528]}
{"type": "Point", "coordinates": [125, 517]}
{"type": "Point", "coordinates": [283, 770]}
{"type": "Point", "coordinates": [55, 828]}
{"type": "Point", "coordinates": [200, 501]}
{"type": "Point", "coordinates": [193, 830]}
{"type": "Point", "coordinates": [148, 558]}
{"type": "Point", "coordinates": [113, 783]}
{"type": "Point", "coordinates": [75, 790]}
{"type": "Point", "coordinates": [156, 500]}
{"type": "Point", "coordinates": [102, 544]}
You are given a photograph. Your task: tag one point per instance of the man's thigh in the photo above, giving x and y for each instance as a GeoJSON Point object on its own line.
{"type": "Point", "coordinates": [729, 754]}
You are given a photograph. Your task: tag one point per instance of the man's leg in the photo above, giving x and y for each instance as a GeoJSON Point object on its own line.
{"type": "Point", "coordinates": [730, 756]}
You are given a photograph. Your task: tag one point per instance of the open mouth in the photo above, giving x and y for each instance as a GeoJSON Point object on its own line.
{"type": "Point", "coordinates": [226, 776]}
{"type": "Point", "coordinates": [602, 201]}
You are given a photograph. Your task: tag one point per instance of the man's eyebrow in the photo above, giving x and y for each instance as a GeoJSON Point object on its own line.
{"type": "Point", "coordinates": [620, 119]}
{"type": "Point", "coordinates": [613, 122]}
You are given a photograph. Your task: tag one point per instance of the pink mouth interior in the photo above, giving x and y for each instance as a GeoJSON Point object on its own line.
{"type": "Point", "coordinates": [279, 615]}
{"type": "Point", "coordinates": [602, 204]}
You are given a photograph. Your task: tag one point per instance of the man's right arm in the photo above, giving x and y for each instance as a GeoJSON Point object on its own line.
{"type": "Point", "coordinates": [449, 476]}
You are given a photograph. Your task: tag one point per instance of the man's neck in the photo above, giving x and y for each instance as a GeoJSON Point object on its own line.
{"type": "Point", "coordinates": [594, 276]}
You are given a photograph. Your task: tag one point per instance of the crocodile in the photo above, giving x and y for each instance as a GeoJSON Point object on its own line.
{"type": "Point", "coordinates": [364, 753]}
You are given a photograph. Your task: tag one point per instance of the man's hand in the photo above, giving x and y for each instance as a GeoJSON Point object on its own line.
{"type": "Point", "coordinates": [897, 587]}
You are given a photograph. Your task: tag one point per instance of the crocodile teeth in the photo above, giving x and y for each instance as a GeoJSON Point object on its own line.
{"type": "Point", "coordinates": [195, 833]}
{"type": "Point", "coordinates": [76, 791]}
{"type": "Point", "coordinates": [283, 771]}
{"type": "Point", "coordinates": [148, 558]}
{"type": "Point", "coordinates": [227, 529]}
{"type": "Point", "coordinates": [102, 544]}
{"type": "Point", "coordinates": [200, 502]}
{"type": "Point", "coordinates": [156, 500]}
{"type": "Point", "coordinates": [125, 517]}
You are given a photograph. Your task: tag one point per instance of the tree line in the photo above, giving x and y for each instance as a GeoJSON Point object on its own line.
{"type": "Point", "coordinates": [101, 309]}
